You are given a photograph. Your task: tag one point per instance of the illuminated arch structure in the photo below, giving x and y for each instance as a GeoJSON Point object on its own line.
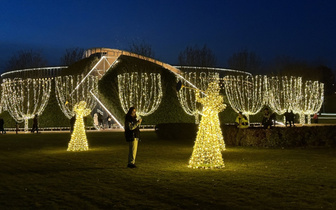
{"type": "Point", "coordinates": [107, 59]}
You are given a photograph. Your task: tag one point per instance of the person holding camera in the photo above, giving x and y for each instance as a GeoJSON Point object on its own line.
{"type": "Point", "coordinates": [132, 135]}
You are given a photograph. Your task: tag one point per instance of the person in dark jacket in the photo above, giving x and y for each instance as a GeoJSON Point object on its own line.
{"type": "Point", "coordinates": [2, 122]}
{"type": "Point", "coordinates": [132, 135]}
{"type": "Point", "coordinates": [72, 123]}
{"type": "Point", "coordinates": [35, 124]}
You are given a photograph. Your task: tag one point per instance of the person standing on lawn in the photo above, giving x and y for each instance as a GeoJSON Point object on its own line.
{"type": "Point", "coordinates": [2, 122]}
{"type": "Point", "coordinates": [132, 135]}
{"type": "Point", "coordinates": [35, 124]}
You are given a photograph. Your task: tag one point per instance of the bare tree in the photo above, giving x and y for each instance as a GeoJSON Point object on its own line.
{"type": "Point", "coordinates": [245, 61]}
{"type": "Point", "coordinates": [71, 56]}
{"type": "Point", "coordinates": [26, 59]}
{"type": "Point", "coordinates": [288, 66]}
{"type": "Point", "coordinates": [194, 56]}
{"type": "Point", "coordinates": [142, 49]}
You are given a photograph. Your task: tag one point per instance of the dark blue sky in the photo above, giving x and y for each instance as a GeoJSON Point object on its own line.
{"type": "Point", "coordinates": [302, 29]}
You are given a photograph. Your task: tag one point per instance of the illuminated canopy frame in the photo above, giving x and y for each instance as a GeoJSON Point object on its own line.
{"type": "Point", "coordinates": [68, 95]}
{"type": "Point", "coordinates": [281, 93]}
{"type": "Point", "coordinates": [311, 100]}
{"type": "Point", "coordinates": [187, 96]}
{"type": "Point", "coordinates": [245, 93]}
{"type": "Point", "coordinates": [108, 58]}
{"type": "Point", "coordinates": [198, 78]}
{"type": "Point", "coordinates": [25, 98]}
{"type": "Point", "coordinates": [140, 90]}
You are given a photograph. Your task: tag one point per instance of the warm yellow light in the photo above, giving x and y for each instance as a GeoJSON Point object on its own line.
{"type": "Point", "coordinates": [187, 97]}
{"type": "Point", "coordinates": [209, 141]}
{"type": "Point", "coordinates": [67, 96]}
{"type": "Point", "coordinates": [245, 93]}
{"type": "Point", "coordinates": [143, 90]}
{"type": "Point", "coordinates": [24, 98]}
{"type": "Point", "coordinates": [78, 140]}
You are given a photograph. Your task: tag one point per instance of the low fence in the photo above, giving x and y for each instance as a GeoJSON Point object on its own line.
{"type": "Point", "coordinates": [113, 127]}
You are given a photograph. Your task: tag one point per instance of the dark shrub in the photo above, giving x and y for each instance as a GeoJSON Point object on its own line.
{"type": "Point", "coordinates": [258, 137]}
{"type": "Point", "coordinates": [173, 131]}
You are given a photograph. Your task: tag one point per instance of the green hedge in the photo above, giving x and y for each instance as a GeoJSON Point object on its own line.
{"type": "Point", "coordinates": [259, 137]}
{"type": "Point", "coordinates": [169, 110]}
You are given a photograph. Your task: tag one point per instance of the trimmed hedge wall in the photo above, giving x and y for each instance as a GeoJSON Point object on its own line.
{"type": "Point", "coordinates": [169, 111]}
{"type": "Point", "coordinates": [259, 137]}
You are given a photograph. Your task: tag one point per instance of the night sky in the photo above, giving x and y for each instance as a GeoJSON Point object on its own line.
{"type": "Point", "coordinates": [302, 29]}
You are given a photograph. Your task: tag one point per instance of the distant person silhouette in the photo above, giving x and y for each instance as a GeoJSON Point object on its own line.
{"type": "Point", "coordinates": [2, 122]}
{"type": "Point", "coordinates": [72, 123]}
{"type": "Point", "coordinates": [35, 124]}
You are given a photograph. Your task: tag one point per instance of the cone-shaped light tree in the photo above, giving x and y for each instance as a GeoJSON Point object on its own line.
{"type": "Point", "coordinates": [78, 140]}
{"type": "Point", "coordinates": [209, 141]}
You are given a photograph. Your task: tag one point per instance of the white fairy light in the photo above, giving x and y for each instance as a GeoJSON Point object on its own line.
{"type": "Point", "coordinates": [289, 93]}
{"type": "Point", "coordinates": [245, 93]}
{"type": "Point", "coordinates": [25, 98]}
{"type": "Point", "coordinates": [314, 92]}
{"type": "Point", "coordinates": [311, 100]}
{"type": "Point", "coordinates": [69, 93]}
{"type": "Point", "coordinates": [281, 93]}
{"type": "Point", "coordinates": [142, 90]}
{"type": "Point", "coordinates": [201, 68]}
{"type": "Point", "coordinates": [187, 96]}
{"type": "Point", "coordinates": [110, 114]}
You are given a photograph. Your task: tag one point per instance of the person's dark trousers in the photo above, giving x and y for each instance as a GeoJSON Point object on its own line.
{"type": "Point", "coordinates": [35, 128]}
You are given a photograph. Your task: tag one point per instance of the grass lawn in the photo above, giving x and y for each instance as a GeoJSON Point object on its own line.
{"type": "Point", "coordinates": [37, 172]}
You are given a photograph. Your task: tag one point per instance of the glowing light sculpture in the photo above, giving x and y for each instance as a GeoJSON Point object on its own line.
{"type": "Point", "coordinates": [78, 140]}
{"type": "Point", "coordinates": [311, 100]}
{"type": "Point", "coordinates": [69, 92]}
{"type": "Point", "coordinates": [142, 90]}
{"type": "Point", "coordinates": [245, 93]}
{"type": "Point", "coordinates": [24, 98]}
{"type": "Point", "coordinates": [282, 93]}
{"type": "Point", "coordinates": [187, 96]}
{"type": "Point", "coordinates": [207, 149]}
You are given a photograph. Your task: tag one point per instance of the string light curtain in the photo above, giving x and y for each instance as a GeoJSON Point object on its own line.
{"type": "Point", "coordinates": [187, 96]}
{"type": "Point", "coordinates": [141, 90]}
{"type": "Point", "coordinates": [25, 98]}
{"type": "Point", "coordinates": [3, 106]}
{"type": "Point", "coordinates": [245, 93]}
{"type": "Point", "coordinates": [282, 92]}
{"type": "Point", "coordinates": [311, 100]}
{"type": "Point", "coordinates": [72, 89]}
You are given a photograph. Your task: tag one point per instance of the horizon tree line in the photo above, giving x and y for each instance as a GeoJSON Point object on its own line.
{"type": "Point", "coordinates": [203, 56]}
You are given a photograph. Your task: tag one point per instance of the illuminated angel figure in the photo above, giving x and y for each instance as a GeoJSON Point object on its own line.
{"type": "Point", "coordinates": [209, 141]}
{"type": "Point", "coordinates": [78, 140]}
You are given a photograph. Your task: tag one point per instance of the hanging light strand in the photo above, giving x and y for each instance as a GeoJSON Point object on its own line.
{"type": "Point", "coordinates": [67, 96]}
{"type": "Point", "coordinates": [141, 90]}
{"type": "Point", "coordinates": [25, 98]}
